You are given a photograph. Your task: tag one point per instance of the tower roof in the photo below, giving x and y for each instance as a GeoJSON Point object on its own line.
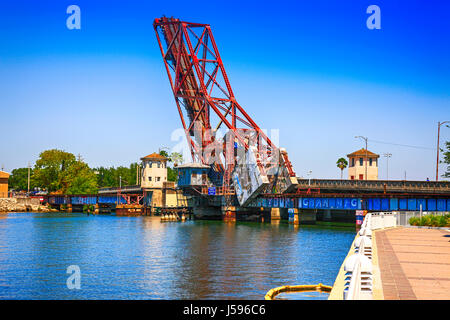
{"type": "Point", "coordinates": [155, 156]}
{"type": "Point", "coordinates": [363, 152]}
{"type": "Point", "coordinates": [4, 174]}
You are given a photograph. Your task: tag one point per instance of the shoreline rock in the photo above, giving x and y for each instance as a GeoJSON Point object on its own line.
{"type": "Point", "coordinates": [15, 205]}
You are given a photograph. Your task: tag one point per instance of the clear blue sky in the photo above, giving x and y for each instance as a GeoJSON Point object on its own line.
{"type": "Point", "coordinates": [309, 68]}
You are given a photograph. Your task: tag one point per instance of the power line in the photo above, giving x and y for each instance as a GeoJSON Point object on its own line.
{"type": "Point", "coordinates": [403, 145]}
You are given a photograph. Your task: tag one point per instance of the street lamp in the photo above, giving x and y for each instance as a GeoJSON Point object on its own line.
{"type": "Point", "coordinates": [437, 152]}
{"type": "Point", "coordinates": [309, 179]}
{"type": "Point", "coordinates": [387, 155]}
{"type": "Point", "coordinates": [365, 139]}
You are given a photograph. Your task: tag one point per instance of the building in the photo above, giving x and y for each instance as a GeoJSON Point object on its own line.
{"type": "Point", "coordinates": [4, 176]}
{"type": "Point", "coordinates": [158, 192]}
{"type": "Point", "coordinates": [193, 174]}
{"type": "Point", "coordinates": [153, 171]}
{"type": "Point", "coordinates": [363, 162]}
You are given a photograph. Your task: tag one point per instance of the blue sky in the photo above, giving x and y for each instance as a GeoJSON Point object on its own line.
{"type": "Point", "coordinates": [311, 69]}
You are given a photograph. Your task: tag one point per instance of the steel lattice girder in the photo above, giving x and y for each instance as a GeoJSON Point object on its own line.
{"type": "Point", "coordinates": [204, 97]}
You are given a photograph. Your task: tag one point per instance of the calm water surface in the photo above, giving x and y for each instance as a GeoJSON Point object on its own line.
{"type": "Point", "coordinates": [141, 258]}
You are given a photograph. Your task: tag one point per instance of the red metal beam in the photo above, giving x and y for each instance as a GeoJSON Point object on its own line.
{"type": "Point", "coordinates": [188, 57]}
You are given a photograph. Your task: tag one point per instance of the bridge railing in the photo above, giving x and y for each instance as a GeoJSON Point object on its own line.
{"type": "Point", "coordinates": [404, 216]}
{"type": "Point", "coordinates": [122, 189]}
{"type": "Point", "coordinates": [388, 185]}
{"type": "Point", "coordinates": [358, 267]}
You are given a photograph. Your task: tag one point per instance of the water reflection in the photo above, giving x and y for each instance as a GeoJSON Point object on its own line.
{"type": "Point", "coordinates": [141, 258]}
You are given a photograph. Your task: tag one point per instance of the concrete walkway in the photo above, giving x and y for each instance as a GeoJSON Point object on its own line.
{"type": "Point", "coordinates": [414, 263]}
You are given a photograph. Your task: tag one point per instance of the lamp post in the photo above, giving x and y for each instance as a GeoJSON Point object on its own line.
{"type": "Point", "coordinates": [309, 179]}
{"type": "Point", "coordinates": [387, 155]}
{"type": "Point", "coordinates": [365, 139]}
{"type": "Point", "coordinates": [437, 152]}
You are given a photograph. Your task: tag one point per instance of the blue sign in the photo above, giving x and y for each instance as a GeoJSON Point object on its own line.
{"type": "Point", "coordinates": [212, 191]}
{"type": "Point", "coordinates": [330, 203]}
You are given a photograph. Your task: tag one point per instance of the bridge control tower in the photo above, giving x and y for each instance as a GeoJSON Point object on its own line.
{"type": "Point", "coordinates": [363, 165]}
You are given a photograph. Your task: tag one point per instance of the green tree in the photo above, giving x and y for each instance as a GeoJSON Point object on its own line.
{"type": "Point", "coordinates": [176, 158]}
{"type": "Point", "coordinates": [342, 164]}
{"type": "Point", "coordinates": [447, 160]}
{"type": "Point", "coordinates": [164, 153]}
{"type": "Point", "coordinates": [105, 177]}
{"type": "Point", "coordinates": [110, 177]}
{"type": "Point", "coordinates": [50, 169]}
{"type": "Point", "coordinates": [172, 174]}
{"type": "Point", "coordinates": [19, 179]}
{"type": "Point", "coordinates": [80, 179]}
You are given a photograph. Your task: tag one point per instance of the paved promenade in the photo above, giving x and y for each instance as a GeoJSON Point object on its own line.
{"type": "Point", "coordinates": [414, 263]}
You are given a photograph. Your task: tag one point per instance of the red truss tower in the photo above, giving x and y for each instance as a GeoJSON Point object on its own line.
{"type": "Point", "coordinates": [206, 102]}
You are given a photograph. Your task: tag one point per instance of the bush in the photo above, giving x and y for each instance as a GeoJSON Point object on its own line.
{"type": "Point", "coordinates": [414, 221]}
{"type": "Point", "coordinates": [442, 221]}
{"type": "Point", "coordinates": [431, 221]}
{"type": "Point", "coordinates": [88, 208]}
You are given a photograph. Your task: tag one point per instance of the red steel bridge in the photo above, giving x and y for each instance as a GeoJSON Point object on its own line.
{"type": "Point", "coordinates": [206, 104]}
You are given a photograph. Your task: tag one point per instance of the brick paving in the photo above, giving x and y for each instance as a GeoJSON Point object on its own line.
{"type": "Point", "coordinates": [414, 263]}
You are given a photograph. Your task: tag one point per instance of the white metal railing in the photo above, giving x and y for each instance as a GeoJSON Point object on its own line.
{"type": "Point", "coordinates": [358, 267]}
{"type": "Point", "coordinates": [381, 220]}
{"type": "Point", "coordinates": [404, 216]}
{"type": "Point", "coordinates": [358, 278]}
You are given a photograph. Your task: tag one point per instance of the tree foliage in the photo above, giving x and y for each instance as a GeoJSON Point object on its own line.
{"type": "Point", "coordinates": [59, 171]}
{"type": "Point", "coordinates": [19, 179]}
{"type": "Point", "coordinates": [50, 169]}
{"type": "Point", "coordinates": [342, 164]}
{"type": "Point", "coordinates": [447, 160]}
{"type": "Point", "coordinates": [80, 179]}
{"type": "Point", "coordinates": [175, 158]}
{"type": "Point", "coordinates": [111, 177]}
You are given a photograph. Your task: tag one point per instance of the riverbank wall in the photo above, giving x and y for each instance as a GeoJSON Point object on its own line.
{"type": "Point", "coordinates": [359, 277]}
{"type": "Point", "coordinates": [22, 205]}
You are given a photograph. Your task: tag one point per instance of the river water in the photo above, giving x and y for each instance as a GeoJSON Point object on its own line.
{"type": "Point", "coordinates": [142, 258]}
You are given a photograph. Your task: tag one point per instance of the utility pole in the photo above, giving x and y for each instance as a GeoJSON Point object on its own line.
{"type": "Point", "coordinates": [137, 174]}
{"type": "Point", "coordinates": [365, 139]}
{"type": "Point", "coordinates": [387, 155]}
{"type": "Point", "coordinates": [437, 152]}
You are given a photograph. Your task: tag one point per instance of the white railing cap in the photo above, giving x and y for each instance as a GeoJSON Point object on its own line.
{"type": "Point", "coordinates": [367, 242]}
{"type": "Point", "coordinates": [358, 242]}
{"type": "Point", "coordinates": [366, 264]}
{"type": "Point", "coordinates": [351, 262]}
